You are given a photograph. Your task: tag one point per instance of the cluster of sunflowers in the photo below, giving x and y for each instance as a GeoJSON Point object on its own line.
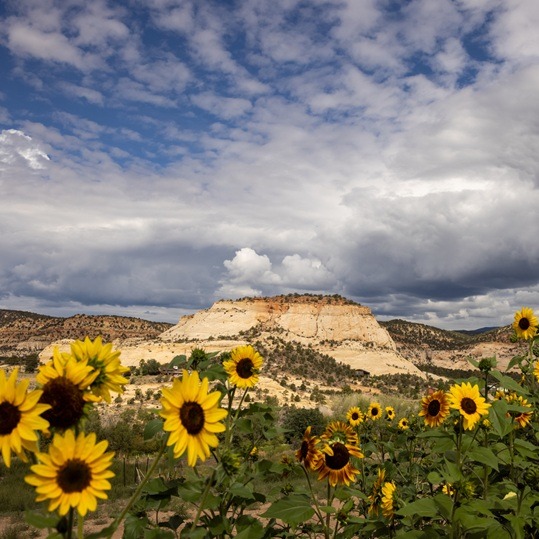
{"type": "Point", "coordinates": [331, 454]}
{"type": "Point", "coordinates": [74, 471]}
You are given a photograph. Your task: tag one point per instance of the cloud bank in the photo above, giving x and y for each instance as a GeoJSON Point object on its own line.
{"type": "Point", "coordinates": [158, 158]}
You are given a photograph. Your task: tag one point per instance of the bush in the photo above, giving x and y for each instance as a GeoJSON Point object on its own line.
{"type": "Point", "coordinates": [295, 420]}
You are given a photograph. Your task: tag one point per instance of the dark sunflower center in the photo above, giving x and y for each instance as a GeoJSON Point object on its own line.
{"type": "Point", "coordinates": [9, 417]}
{"type": "Point", "coordinates": [340, 457]}
{"type": "Point", "coordinates": [523, 324]}
{"type": "Point", "coordinates": [245, 367]}
{"type": "Point", "coordinates": [192, 417]}
{"type": "Point", "coordinates": [74, 476]}
{"type": "Point", "coordinates": [66, 401]}
{"type": "Point", "coordinates": [434, 407]}
{"type": "Point", "coordinates": [375, 411]}
{"type": "Point", "coordinates": [304, 450]}
{"type": "Point", "coordinates": [355, 416]}
{"type": "Point", "coordinates": [468, 405]}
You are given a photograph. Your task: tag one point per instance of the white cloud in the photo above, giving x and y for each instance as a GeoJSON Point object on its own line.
{"type": "Point", "coordinates": [319, 147]}
{"type": "Point", "coordinates": [16, 148]}
{"type": "Point", "coordinates": [46, 46]}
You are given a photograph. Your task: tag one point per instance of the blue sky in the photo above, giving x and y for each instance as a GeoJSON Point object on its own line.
{"type": "Point", "coordinates": [159, 155]}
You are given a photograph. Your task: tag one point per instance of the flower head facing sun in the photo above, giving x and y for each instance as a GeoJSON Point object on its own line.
{"type": "Point", "coordinates": [374, 411]}
{"type": "Point", "coordinates": [243, 366]}
{"type": "Point", "coordinates": [65, 388]}
{"type": "Point", "coordinates": [522, 418]}
{"type": "Point", "coordinates": [335, 463]}
{"type": "Point", "coordinates": [192, 416]}
{"type": "Point", "coordinates": [73, 474]}
{"type": "Point", "coordinates": [388, 499]}
{"type": "Point", "coordinates": [435, 408]}
{"type": "Point", "coordinates": [354, 416]}
{"type": "Point", "coordinates": [339, 444]}
{"type": "Point", "coordinates": [20, 417]}
{"type": "Point", "coordinates": [308, 453]}
{"type": "Point", "coordinates": [404, 424]}
{"type": "Point", "coordinates": [106, 363]}
{"type": "Point", "coordinates": [466, 399]}
{"type": "Point", "coordinates": [389, 413]}
{"type": "Point", "coordinates": [525, 323]}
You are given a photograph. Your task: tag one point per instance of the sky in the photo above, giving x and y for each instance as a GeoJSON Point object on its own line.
{"type": "Point", "coordinates": [157, 156]}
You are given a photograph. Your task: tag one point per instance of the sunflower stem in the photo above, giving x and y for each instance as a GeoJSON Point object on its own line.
{"type": "Point", "coordinates": [313, 496]}
{"type": "Point", "coordinates": [203, 499]}
{"type": "Point", "coordinates": [328, 516]}
{"type": "Point", "coordinates": [135, 496]}
{"type": "Point", "coordinates": [69, 531]}
{"type": "Point", "coordinates": [80, 527]}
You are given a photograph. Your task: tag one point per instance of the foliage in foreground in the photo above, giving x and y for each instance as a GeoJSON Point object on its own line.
{"type": "Point", "coordinates": [466, 466]}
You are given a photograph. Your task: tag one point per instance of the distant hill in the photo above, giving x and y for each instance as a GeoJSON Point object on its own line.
{"type": "Point", "coordinates": [24, 332]}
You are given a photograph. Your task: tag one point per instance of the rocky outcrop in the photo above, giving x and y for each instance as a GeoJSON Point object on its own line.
{"type": "Point", "coordinates": [295, 318]}
{"type": "Point", "coordinates": [332, 325]}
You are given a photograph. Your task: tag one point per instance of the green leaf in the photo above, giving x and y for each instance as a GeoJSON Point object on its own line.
{"type": "Point", "coordinates": [134, 526]}
{"type": "Point", "coordinates": [501, 424]}
{"type": "Point", "coordinates": [485, 456]}
{"type": "Point", "coordinates": [39, 520]}
{"type": "Point", "coordinates": [241, 491]}
{"type": "Point", "coordinates": [515, 361]}
{"type": "Point", "coordinates": [444, 503]}
{"type": "Point", "coordinates": [174, 522]}
{"type": "Point", "coordinates": [177, 361]}
{"type": "Point", "coordinates": [526, 449]}
{"type": "Point", "coordinates": [249, 527]}
{"type": "Point", "coordinates": [292, 510]}
{"type": "Point", "coordinates": [434, 478]}
{"type": "Point", "coordinates": [425, 507]}
{"type": "Point", "coordinates": [158, 533]}
{"type": "Point", "coordinates": [327, 509]}
{"type": "Point", "coordinates": [152, 428]}
{"type": "Point", "coordinates": [197, 533]}
{"type": "Point", "coordinates": [508, 383]}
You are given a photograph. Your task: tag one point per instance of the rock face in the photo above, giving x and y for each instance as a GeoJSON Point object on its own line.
{"type": "Point", "coordinates": [299, 318]}
{"type": "Point", "coordinates": [332, 325]}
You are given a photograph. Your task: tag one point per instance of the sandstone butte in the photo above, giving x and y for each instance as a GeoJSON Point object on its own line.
{"type": "Point", "coordinates": [334, 326]}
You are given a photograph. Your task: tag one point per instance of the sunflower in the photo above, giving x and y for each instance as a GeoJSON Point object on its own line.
{"type": "Point", "coordinates": [107, 364]}
{"type": "Point", "coordinates": [354, 416]}
{"type": "Point", "coordinates": [65, 387]}
{"type": "Point", "coordinates": [340, 442]}
{"type": "Point", "coordinates": [435, 408]}
{"type": "Point", "coordinates": [308, 453]}
{"type": "Point", "coordinates": [375, 411]}
{"type": "Point", "coordinates": [404, 424]}
{"type": "Point", "coordinates": [20, 416]}
{"type": "Point", "coordinates": [525, 324]}
{"type": "Point", "coordinates": [74, 473]}
{"type": "Point", "coordinates": [466, 399]}
{"type": "Point", "coordinates": [375, 498]}
{"type": "Point", "coordinates": [243, 366]}
{"type": "Point", "coordinates": [192, 416]}
{"type": "Point", "coordinates": [336, 465]}
{"type": "Point", "coordinates": [389, 413]}
{"type": "Point", "coordinates": [536, 370]}
{"type": "Point", "coordinates": [522, 418]}
{"type": "Point", "coordinates": [388, 494]}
